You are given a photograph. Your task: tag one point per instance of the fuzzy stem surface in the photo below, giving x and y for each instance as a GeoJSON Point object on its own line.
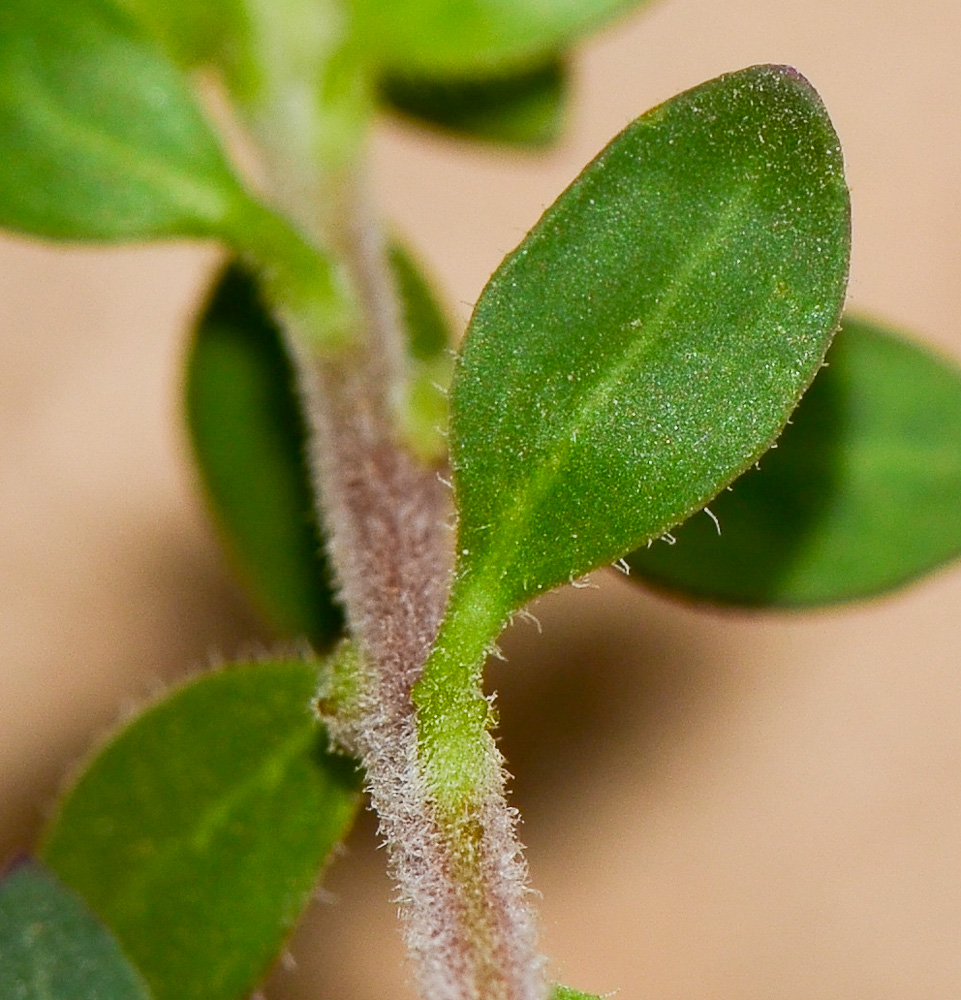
{"type": "Point", "coordinates": [387, 514]}
{"type": "Point", "coordinates": [461, 879]}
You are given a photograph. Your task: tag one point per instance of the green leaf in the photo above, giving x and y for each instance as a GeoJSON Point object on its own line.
{"type": "Point", "coordinates": [476, 37]}
{"type": "Point", "coordinates": [648, 340]}
{"type": "Point", "coordinates": [423, 409]}
{"type": "Point", "coordinates": [641, 348]}
{"type": "Point", "coordinates": [860, 496]}
{"type": "Point", "coordinates": [53, 948]}
{"type": "Point", "coordinates": [197, 833]}
{"type": "Point", "coordinates": [100, 137]}
{"type": "Point", "coordinates": [566, 993]}
{"type": "Point", "coordinates": [426, 326]}
{"type": "Point", "coordinates": [523, 108]}
{"type": "Point", "coordinates": [249, 438]}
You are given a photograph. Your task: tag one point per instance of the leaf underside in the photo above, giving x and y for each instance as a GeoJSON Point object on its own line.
{"type": "Point", "coordinates": [860, 495]}
{"type": "Point", "coordinates": [524, 108]}
{"type": "Point", "coordinates": [249, 440]}
{"type": "Point", "coordinates": [198, 832]}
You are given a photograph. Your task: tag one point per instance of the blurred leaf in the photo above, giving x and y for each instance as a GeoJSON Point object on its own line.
{"type": "Point", "coordinates": [192, 32]}
{"type": "Point", "coordinates": [649, 338]}
{"type": "Point", "coordinates": [198, 832]}
{"type": "Point", "coordinates": [53, 948]}
{"type": "Point", "coordinates": [476, 37]}
{"type": "Point", "coordinates": [428, 333]}
{"type": "Point", "coordinates": [565, 993]}
{"type": "Point", "coordinates": [249, 437]}
{"type": "Point", "coordinates": [523, 108]}
{"type": "Point", "coordinates": [860, 496]}
{"type": "Point", "coordinates": [99, 135]}
{"type": "Point", "coordinates": [423, 411]}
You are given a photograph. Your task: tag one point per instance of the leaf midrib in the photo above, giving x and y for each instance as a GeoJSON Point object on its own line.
{"type": "Point", "coordinates": [524, 502]}
{"type": "Point", "coordinates": [209, 822]}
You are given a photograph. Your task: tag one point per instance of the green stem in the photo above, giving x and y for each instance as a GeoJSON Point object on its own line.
{"type": "Point", "coordinates": [453, 717]}
{"type": "Point", "coordinates": [303, 283]}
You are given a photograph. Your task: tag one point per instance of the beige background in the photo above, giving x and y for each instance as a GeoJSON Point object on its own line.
{"type": "Point", "coordinates": [731, 808]}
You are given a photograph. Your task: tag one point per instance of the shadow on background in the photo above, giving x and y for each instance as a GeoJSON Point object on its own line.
{"type": "Point", "coordinates": [572, 697]}
{"type": "Point", "coordinates": [167, 610]}
{"type": "Point", "coordinates": [578, 703]}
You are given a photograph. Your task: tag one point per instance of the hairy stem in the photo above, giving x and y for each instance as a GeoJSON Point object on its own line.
{"type": "Point", "coordinates": [462, 881]}
{"type": "Point", "coordinates": [387, 516]}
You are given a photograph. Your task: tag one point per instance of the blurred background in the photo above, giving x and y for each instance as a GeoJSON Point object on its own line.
{"type": "Point", "coordinates": [717, 806]}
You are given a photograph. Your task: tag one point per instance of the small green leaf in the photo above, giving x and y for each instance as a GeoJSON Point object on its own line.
{"type": "Point", "coordinates": [641, 348]}
{"type": "Point", "coordinates": [523, 108]}
{"type": "Point", "coordinates": [426, 326]}
{"type": "Point", "coordinates": [860, 496]}
{"type": "Point", "coordinates": [198, 832]}
{"type": "Point", "coordinates": [100, 137]}
{"type": "Point", "coordinates": [249, 438]}
{"type": "Point", "coordinates": [423, 410]}
{"type": "Point", "coordinates": [476, 37]}
{"type": "Point", "coordinates": [566, 993]}
{"type": "Point", "coordinates": [53, 948]}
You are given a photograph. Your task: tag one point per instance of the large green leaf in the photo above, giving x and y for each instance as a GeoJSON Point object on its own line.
{"type": "Point", "coordinates": [249, 438]}
{"type": "Point", "coordinates": [53, 948]}
{"type": "Point", "coordinates": [648, 340]}
{"type": "Point", "coordinates": [641, 348]}
{"type": "Point", "coordinates": [861, 494]}
{"type": "Point", "coordinates": [476, 36]}
{"type": "Point", "coordinates": [99, 135]}
{"type": "Point", "coordinates": [198, 832]}
{"type": "Point", "coordinates": [523, 108]}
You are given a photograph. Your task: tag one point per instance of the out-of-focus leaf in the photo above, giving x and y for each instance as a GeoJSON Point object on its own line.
{"type": "Point", "coordinates": [249, 438]}
{"type": "Point", "coordinates": [423, 411]}
{"type": "Point", "coordinates": [53, 948]}
{"type": "Point", "coordinates": [476, 37]}
{"type": "Point", "coordinates": [192, 32]}
{"type": "Point", "coordinates": [861, 494]}
{"type": "Point", "coordinates": [198, 832]}
{"type": "Point", "coordinates": [523, 108]}
{"type": "Point", "coordinates": [426, 326]}
{"type": "Point", "coordinates": [100, 137]}
{"type": "Point", "coordinates": [641, 348]}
